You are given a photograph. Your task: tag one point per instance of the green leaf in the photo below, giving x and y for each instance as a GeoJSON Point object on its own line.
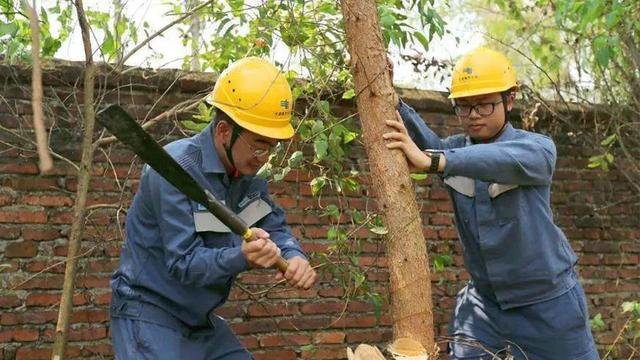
{"type": "Point", "coordinates": [418, 176]}
{"type": "Point", "coordinates": [349, 137]}
{"type": "Point", "coordinates": [609, 157]}
{"type": "Point", "coordinates": [265, 171]}
{"type": "Point", "coordinates": [602, 51]}
{"type": "Point", "coordinates": [597, 324]}
{"type": "Point", "coordinates": [193, 125]}
{"type": "Point", "coordinates": [109, 45]}
{"type": "Point", "coordinates": [349, 94]}
{"type": "Point", "coordinates": [609, 140]}
{"type": "Point", "coordinates": [317, 184]}
{"type": "Point", "coordinates": [328, 8]}
{"type": "Point", "coordinates": [422, 39]}
{"type": "Point", "coordinates": [376, 301]}
{"type": "Point", "coordinates": [359, 279]}
{"type": "Point", "coordinates": [358, 217]}
{"type": "Point", "coordinates": [440, 261]}
{"type": "Point", "coordinates": [320, 146]}
{"type": "Point", "coordinates": [282, 175]}
{"type": "Point", "coordinates": [295, 159]}
{"type": "Point", "coordinates": [8, 29]}
{"type": "Point", "coordinates": [318, 127]}
{"type": "Point", "coordinates": [324, 106]}
{"type": "Point", "coordinates": [332, 233]}
{"type": "Point", "coordinates": [332, 211]}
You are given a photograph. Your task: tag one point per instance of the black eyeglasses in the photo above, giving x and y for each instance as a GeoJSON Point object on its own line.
{"type": "Point", "coordinates": [483, 109]}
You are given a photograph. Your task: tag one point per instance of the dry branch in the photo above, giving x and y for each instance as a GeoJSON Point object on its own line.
{"type": "Point", "coordinates": [84, 175]}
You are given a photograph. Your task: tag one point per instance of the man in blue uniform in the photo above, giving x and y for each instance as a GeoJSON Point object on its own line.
{"type": "Point", "coordinates": [523, 294]}
{"type": "Point", "coordinates": [178, 261]}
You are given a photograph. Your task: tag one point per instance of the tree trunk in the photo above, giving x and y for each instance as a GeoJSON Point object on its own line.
{"type": "Point", "coordinates": [195, 31]}
{"type": "Point", "coordinates": [46, 163]}
{"type": "Point", "coordinates": [84, 175]}
{"type": "Point", "coordinates": [410, 281]}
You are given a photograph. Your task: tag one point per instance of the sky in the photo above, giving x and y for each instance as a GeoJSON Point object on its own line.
{"type": "Point", "coordinates": [170, 47]}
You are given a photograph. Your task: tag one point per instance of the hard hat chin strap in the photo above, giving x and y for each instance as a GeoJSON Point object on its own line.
{"type": "Point", "coordinates": [235, 132]}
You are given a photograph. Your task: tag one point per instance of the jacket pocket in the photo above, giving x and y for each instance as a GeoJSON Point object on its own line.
{"type": "Point", "coordinates": [506, 199]}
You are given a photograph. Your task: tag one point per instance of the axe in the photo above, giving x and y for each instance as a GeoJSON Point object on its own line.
{"type": "Point", "coordinates": [127, 130]}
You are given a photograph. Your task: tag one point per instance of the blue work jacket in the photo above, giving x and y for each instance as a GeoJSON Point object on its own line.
{"type": "Point", "coordinates": [512, 249]}
{"type": "Point", "coordinates": [177, 258]}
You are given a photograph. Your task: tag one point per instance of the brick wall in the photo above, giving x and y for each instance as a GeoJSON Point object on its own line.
{"type": "Point", "coordinates": [36, 212]}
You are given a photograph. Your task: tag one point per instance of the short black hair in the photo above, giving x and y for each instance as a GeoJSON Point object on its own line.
{"type": "Point", "coordinates": [220, 115]}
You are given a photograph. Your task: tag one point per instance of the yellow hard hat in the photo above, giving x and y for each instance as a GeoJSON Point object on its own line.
{"type": "Point", "coordinates": [482, 71]}
{"type": "Point", "coordinates": [256, 95]}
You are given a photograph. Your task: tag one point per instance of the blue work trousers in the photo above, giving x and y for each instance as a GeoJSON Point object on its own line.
{"type": "Point", "coordinates": [556, 329]}
{"type": "Point", "coordinates": [139, 339]}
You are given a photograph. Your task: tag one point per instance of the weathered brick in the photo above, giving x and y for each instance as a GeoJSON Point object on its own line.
{"type": "Point", "coordinates": [293, 293]}
{"type": "Point", "coordinates": [49, 299]}
{"type": "Point", "coordinates": [47, 200]}
{"type": "Point", "coordinates": [30, 183]}
{"type": "Point", "coordinates": [325, 353]}
{"type": "Point", "coordinates": [254, 326]}
{"type": "Point", "coordinates": [50, 266]}
{"type": "Point", "coordinates": [28, 317]}
{"type": "Point", "coordinates": [333, 337]}
{"type": "Point", "coordinates": [280, 355]}
{"type": "Point", "coordinates": [284, 340]}
{"type": "Point", "coordinates": [80, 333]}
{"type": "Point", "coordinates": [25, 353]}
{"type": "Point", "coordinates": [90, 316]}
{"type": "Point", "coordinates": [19, 334]}
{"type": "Point", "coordinates": [262, 309]}
{"type": "Point", "coordinates": [22, 216]}
{"type": "Point", "coordinates": [21, 249]}
{"type": "Point", "coordinates": [14, 168]}
{"type": "Point", "coordinates": [9, 301]}
{"type": "Point", "coordinates": [322, 307]}
{"type": "Point", "coordinates": [9, 232]}
{"type": "Point", "coordinates": [40, 234]}
{"type": "Point", "coordinates": [351, 322]}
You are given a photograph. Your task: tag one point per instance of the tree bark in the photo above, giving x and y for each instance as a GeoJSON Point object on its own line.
{"type": "Point", "coordinates": [46, 163]}
{"type": "Point", "coordinates": [410, 281]}
{"type": "Point", "coordinates": [84, 175]}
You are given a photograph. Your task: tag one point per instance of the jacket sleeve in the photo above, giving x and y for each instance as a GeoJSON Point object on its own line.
{"type": "Point", "coordinates": [421, 134]}
{"type": "Point", "coordinates": [185, 256]}
{"type": "Point", "coordinates": [275, 224]}
{"type": "Point", "coordinates": [526, 161]}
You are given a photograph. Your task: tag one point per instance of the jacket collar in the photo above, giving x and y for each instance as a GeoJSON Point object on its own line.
{"type": "Point", "coordinates": [211, 162]}
{"type": "Point", "coordinates": [508, 133]}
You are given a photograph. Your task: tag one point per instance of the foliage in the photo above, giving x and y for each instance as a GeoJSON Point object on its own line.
{"type": "Point", "coordinates": [15, 31]}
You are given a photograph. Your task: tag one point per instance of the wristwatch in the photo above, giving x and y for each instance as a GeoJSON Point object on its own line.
{"type": "Point", "coordinates": [435, 160]}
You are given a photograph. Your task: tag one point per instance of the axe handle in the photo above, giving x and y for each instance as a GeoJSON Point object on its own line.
{"type": "Point", "coordinates": [236, 224]}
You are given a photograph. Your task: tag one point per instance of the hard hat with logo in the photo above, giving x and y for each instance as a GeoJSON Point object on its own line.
{"type": "Point", "coordinates": [256, 96]}
{"type": "Point", "coordinates": [482, 71]}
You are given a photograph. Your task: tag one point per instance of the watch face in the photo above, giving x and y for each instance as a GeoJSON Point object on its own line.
{"type": "Point", "coordinates": [435, 162]}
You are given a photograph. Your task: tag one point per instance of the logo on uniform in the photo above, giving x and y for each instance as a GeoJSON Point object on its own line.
{"type": "Point", "coordinates": [284, 104]}
{"type": "Point", "coordinates": [467, 70]}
